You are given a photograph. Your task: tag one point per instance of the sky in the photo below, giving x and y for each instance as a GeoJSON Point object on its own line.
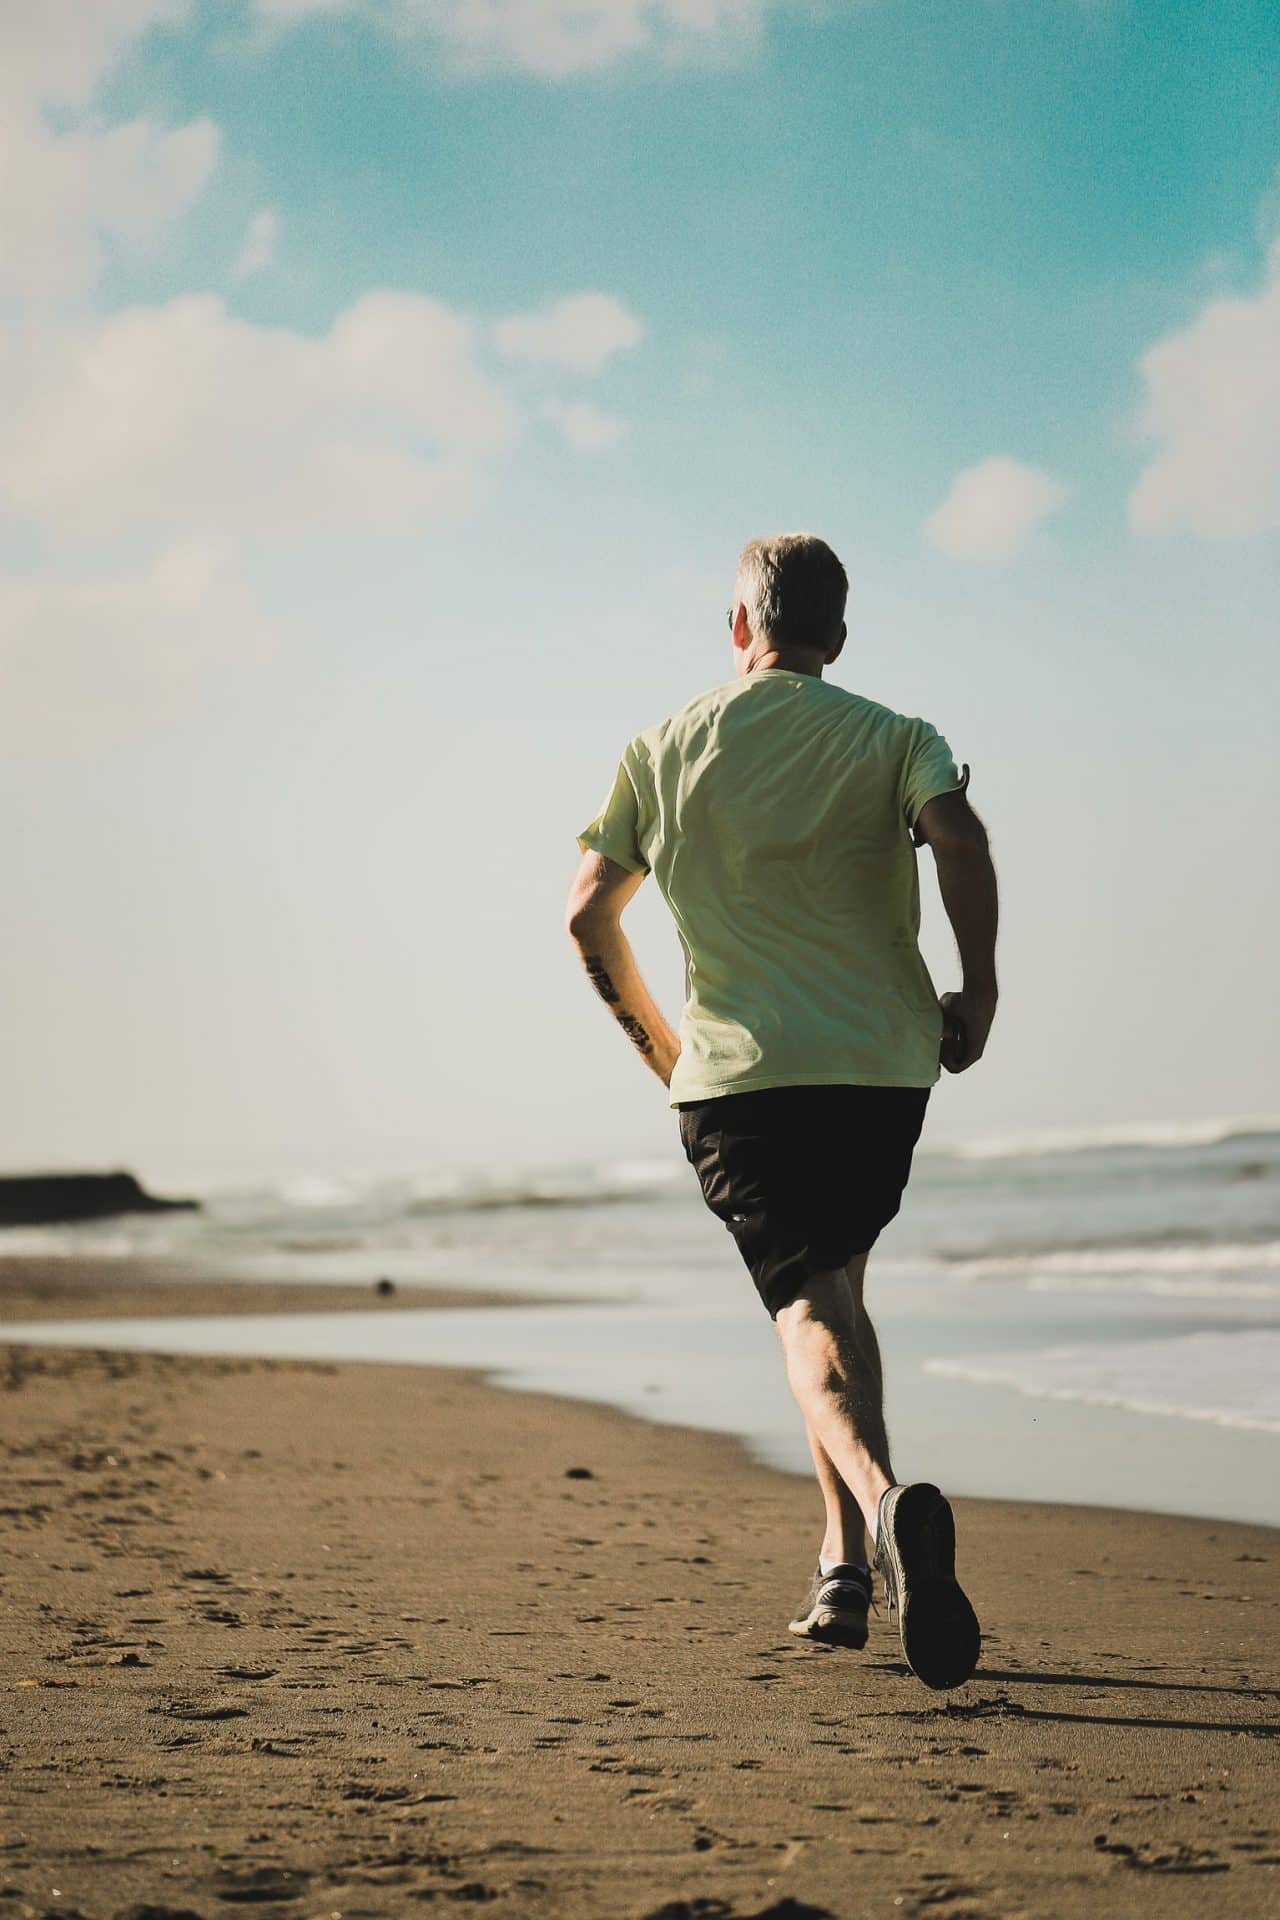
{"type": "Point", "coordinates": [386, 389]}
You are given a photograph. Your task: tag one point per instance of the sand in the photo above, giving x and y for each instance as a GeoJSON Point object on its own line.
{"type": "Point", "coordinates": [320, 1640]}
{"type": "Point", "coordinates": [80, 1289]}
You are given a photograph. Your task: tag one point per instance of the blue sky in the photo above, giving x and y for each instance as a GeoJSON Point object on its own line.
{"type": "Point", "coordinates": [386, 391]}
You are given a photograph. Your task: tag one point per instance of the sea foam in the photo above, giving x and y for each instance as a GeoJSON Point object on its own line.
{"type": "Point", "coordinates": [1229, 1378]}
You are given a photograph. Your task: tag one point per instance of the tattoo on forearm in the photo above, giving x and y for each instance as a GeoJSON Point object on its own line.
{"type": "Point", "coordinates": [599, 978]}
{"type": "Point", "coordinates": [632, 1027]}
{"type": "Point", "coordinates": [598, 975]}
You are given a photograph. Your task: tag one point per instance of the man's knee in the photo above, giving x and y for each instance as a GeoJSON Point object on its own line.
{"type": "Point", "coordinates": [825, 1302]}
{"type": "Point", "coordinates": [816, 1332]}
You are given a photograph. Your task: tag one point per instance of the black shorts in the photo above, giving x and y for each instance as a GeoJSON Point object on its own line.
{"type": "Point", "coordinates": [803, 1177]}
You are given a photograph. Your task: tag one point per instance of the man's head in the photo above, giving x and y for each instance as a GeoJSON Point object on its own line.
{"type": "Point", "coordinates": [789, 603]}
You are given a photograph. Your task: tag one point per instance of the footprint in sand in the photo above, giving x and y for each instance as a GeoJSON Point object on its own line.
{"type": "Point", "coordinates": [704, 1908]}
{"type": "Point", "coordinates": [262, 1884]}
{"type": "Point", "coordinates": [199, 1710]}
{"type": "Point", "coordinates": [148, 1911]}
{"type": "Point", "coordinates": [1150, 1857]}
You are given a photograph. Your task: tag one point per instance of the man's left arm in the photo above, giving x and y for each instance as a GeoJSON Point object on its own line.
{"type": "Point", "coordinates": [600, 890]}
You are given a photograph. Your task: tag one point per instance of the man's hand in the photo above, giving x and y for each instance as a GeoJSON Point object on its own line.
{"type": "Point", "coordinates": [966, 1022]}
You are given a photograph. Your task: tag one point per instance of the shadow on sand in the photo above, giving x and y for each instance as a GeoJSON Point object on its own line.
{"type": "Point", "coordinates": [1003, 1706]}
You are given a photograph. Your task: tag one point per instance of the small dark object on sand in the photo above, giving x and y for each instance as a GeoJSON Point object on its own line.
{"type": "Point", "coordinates": [384, 1285]}
{"type": "Point", "coordinates": [578, 1473]}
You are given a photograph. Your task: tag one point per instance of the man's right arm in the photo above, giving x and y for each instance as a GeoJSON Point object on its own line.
{"type": "Point", "coordinates": [967, 882]}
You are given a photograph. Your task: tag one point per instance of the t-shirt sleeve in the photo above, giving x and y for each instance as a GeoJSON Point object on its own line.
{"type": "Point", "coordinates": [929, 770]}
{"type": "Point", "coordinates": [615, 830]}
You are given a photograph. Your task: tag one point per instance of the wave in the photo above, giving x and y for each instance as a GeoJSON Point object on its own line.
{"type": "Point", "coordinates": [87, 1238]}
{"type": "Point", "coordinates": [380, 1200]}
{"type": "Point", "coordinates": [381, 1196]}
{"type": "Point", "coordinates": [318, 1192]}
{"type": "Point", "coordinates": [496, 1199]}
{"type": "Point", "coordinates": [610, 1183]}
{"type": "Point", "coordinates": [1159, 1286]}
{"type": "Point", "coordinates": [1227, 1379]}
{"type": "Point", "coordinates": [1232, 1269]}
{"type": "Point", "coordinates": [1264, 1129]}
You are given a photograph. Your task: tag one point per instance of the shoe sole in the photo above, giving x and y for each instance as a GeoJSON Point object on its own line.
{"type": "Point", "coordinates": [916, 1555]}
{"type": "Point", "coordinates": [832, 1629]}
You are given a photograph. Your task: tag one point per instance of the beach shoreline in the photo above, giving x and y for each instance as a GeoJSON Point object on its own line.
{"type": "Point", "coordinates": [84, 1288]}
{"type": "Point", "coordinates": [691, 1351]}
{"type": "Point", "coordinates": [354, 1638]}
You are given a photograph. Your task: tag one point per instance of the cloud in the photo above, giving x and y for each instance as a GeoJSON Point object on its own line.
{"type": "Point", "coordinates": [992, 509]}
{"type": "Point", "coordinates": [86, 662]}
{"type": "Point", "coordinates": [57, 52]}
{"type": "Point", "coordinates": [1211, 406]}
{"type": "Point", "coordinates": [187, 431]}
{"type": "Point", "coordinates": [584, 426]}
{"type": "Point", "coordinates": [161, 418]}
{"type": "Point", "coordinates": [580, 333]}
{"type": "Point", "coordinates": [258, 249]}
{"type": "Point", "coordinates": [63, 195]}
{"type": "Point", "coordinates": [552, 38]}
{"type": "Point", "coordinates": [183, 432]}
{"type": "Point", "coordinates": [64, 192]}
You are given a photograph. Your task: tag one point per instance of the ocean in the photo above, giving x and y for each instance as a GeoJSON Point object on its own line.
{"type": "Point", "coordinates": [1085, 1319]}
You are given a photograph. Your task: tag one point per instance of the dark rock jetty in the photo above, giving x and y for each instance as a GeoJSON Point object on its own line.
{"type": "Point", "coordinates": [51, 1199]}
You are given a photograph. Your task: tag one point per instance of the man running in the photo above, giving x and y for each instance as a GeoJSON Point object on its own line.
{"type": "Point", "coordinates": [779, 815]}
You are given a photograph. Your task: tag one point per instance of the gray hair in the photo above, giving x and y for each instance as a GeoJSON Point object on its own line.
{"type": "Point", "coordinates": [794, 590]}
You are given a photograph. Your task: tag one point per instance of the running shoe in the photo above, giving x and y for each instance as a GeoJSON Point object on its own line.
{"type": "Point", "coordinates": [916, 1558]}
{"type": "Point", "coordinates": [836, 1610]}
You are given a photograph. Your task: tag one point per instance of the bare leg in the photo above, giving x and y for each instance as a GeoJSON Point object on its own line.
{"type": "Point", "coordinates": [846, 1538]}
{"type": "Point", "coordinates": [865, 1335]}
{"type": "Point", "coordinates": [833, 1366]}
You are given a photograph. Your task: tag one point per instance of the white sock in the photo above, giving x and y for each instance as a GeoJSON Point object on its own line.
{"type": "Point", "coordinates": [827, 1567]}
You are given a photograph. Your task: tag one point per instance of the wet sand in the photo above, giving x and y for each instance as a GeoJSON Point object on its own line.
{"type": "Point", "coordinates": [353, 1640]}
{"type": "Point", "coordinates": [81, 1289]}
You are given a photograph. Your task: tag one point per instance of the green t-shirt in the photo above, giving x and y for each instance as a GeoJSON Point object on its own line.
{"type": "Point", "coordinates": [777, 815]}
